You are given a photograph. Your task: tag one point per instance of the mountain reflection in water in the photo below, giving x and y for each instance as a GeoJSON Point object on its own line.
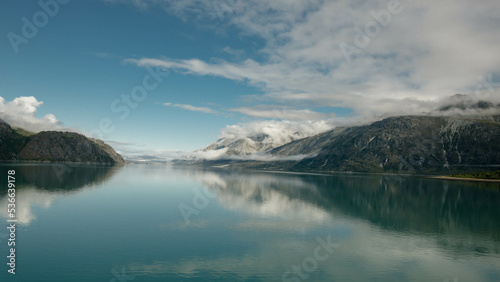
{"type": "Point", "coordinates": [256, 227]}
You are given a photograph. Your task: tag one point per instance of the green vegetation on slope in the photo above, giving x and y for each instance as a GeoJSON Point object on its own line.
{"type": "Point", "coordinates": [22, 132]}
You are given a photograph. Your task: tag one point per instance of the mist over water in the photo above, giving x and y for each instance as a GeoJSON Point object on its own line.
{"type": "Point", "coordinates": [86, 223]}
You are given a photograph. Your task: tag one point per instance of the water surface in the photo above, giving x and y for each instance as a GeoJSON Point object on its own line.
{"type": "Point", "coordinates": [161, 223]}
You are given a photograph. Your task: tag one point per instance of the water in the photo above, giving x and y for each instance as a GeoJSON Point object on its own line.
{"type": "Point", "coordinates": [86, 223]}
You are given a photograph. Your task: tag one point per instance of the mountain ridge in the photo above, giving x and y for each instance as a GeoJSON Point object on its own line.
{"type": "Point", "coordinates": [53, 146]}
{"type": "Point", "coordinates": [401, 144]}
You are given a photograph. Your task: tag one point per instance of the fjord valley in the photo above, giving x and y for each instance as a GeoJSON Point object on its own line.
{"type": "Point", "coordinates": [250, 140]}
{"type": "Point", "coordinates": [419, 144]}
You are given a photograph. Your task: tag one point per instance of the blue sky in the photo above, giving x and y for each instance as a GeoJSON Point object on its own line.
{"type": "Point", "coordinates": [237, 63]}
{"type": "Point", "coordinates": [74, 65]}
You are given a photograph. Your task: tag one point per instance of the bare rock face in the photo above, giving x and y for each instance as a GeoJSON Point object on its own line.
{"type": "Point", "coordinates": [407, 144]}
{"type": "Point", "coordinates": [109, 150]}
{"type": "Point", "coordinates": [10, 142]}
{"type": "Point", "coordinates": [54, 146]}
{"type": "Point", "coordinates": [5, 140]}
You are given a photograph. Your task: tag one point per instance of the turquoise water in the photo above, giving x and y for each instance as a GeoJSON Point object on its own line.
{"type": "Point", "coordinates": [161, 223]}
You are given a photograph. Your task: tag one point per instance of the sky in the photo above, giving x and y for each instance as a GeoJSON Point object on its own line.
{"type": "Point", "coordinates": [158, 76]}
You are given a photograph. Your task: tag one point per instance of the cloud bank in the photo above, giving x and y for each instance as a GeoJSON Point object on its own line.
{"type": "Point", "coordinates": [278, 131]}
{"type": "Point", "coordinates": [21, 112]}
{"type": "Point", "coordinates": [404, 62]}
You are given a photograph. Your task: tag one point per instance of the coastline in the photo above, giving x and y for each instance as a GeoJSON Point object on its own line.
{"type": "Point", "coordinates": [59, 162]}
{"type": "Point", "coordinates": [463, 179]}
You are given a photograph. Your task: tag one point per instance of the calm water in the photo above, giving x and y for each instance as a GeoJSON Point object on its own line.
{"type": "Point", "coordinates": [159, 223]}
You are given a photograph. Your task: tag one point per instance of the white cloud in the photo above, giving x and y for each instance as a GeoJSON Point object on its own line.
{"type": "Point", "coordinates": [221, 154]}
{"type": "Point", "coordinates": [284, 113]}
{"type": "Point", "coordinates": [428, 51]}
{"type": "Point", "coordinates": [237, 53]}
{"type": "Point", "coordinates": [279, 131]}
{"type": "Point", "coordinates": [191, 108]}
{"type": "Point", "coordinates": [21, 112]}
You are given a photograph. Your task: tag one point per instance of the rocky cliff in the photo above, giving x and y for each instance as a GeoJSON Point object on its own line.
{"type": "Point", "coordinates": [11, 142]}
{"type": "Point", "coordinates": [402, 144]}
{"type": "Point", "coordinates": [54, 146]}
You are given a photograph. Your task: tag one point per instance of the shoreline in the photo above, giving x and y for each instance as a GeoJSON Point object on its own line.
{"type": "Point", "coordinates": [463, 179]}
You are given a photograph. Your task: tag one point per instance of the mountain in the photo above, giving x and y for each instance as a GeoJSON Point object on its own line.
{"type": "Point", "coordinates": [462, 134]}
{"type": "Point", "coordinates": [242, 146]}
{"type": "Point", "coordinates": [53, 146]}
{"type": "Point", "coordinates": [248, 145]}
{"type": "Point", "coordinates": [11, 142]}
{"type": "Point", "coordinates": [404, 144]}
